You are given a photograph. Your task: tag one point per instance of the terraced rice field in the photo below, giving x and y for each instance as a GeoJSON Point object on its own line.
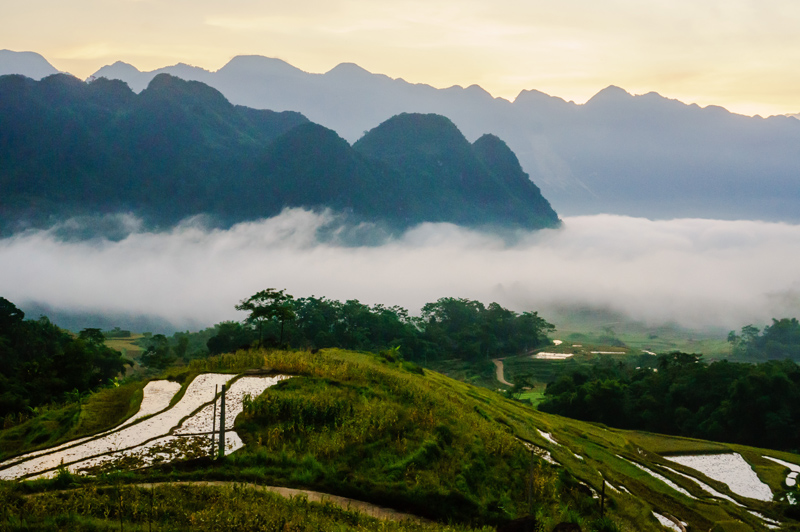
{"type": "Point", "coordinates": [730, 469]}
{"type": "Point", "coordinates": [157, 433]}
{"type": "Point", "coordinates": [794, 470]}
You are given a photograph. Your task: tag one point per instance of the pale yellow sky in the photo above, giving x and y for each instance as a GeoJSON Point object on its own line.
{"type": "Point", "coordinates": [740, 54]}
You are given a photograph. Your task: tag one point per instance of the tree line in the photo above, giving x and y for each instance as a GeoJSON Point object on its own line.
{"type": "Point", "coordinates": [778, 341]}
{"type": "Point", "coordinates": [447, 328]}
{"type": "Point", "coordinates": [41, 363]}
{"type": "Point", "coordinates": [681, 394]}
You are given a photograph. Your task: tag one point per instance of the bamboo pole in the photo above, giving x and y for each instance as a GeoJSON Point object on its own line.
{"type": "Point", "coordinates": [222, 423]}
{"type": "Point", "coordinates": [214, 421]}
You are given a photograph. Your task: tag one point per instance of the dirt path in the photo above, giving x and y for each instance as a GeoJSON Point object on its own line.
{"type": "Point", "coordinates": [498, 362]}
{"type": "Point", "coordinates": [372, 510]}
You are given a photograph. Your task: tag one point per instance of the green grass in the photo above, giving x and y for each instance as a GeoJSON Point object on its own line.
{"type": "Point", "coordinates": [366, 427]}
{"type": "Point", "coordinates": [196, 508]}
{"type": "Point", "coordinates": [534, 396]}
{"type": "Point", "coordinates": [598, 327]}
{"type": "Point", "coordinates": [60, 423]}
{"type": "Point", "coordinates": [668, 445]}
{"type": "Point", "coordinates": [480, 373]}
{"type": "Point", "coordinates": [127, 346]}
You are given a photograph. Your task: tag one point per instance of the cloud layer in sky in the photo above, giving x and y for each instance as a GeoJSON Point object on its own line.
{"type": "Point", "coordinates": [739, 53]}
{"type": "Point", "coordinates": [698, 273]}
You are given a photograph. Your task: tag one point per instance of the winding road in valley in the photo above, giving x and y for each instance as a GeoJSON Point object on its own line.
{"type": "Point", "coordinates": [498, 362]}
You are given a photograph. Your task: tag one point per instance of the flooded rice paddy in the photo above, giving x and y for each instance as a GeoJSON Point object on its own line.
{"type": "Point", "coordinates": [169, 433]}
{"type": "Point", "coordinates": [730, 469]}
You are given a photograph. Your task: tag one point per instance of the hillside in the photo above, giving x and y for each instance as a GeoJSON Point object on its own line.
{"type": "Point", "coordinates": [180, 148]}
{"type": "Point", "coordinates": [377, 429]}
{"type": "Point", "coordinates": [643, 155]}
{"type": "Point", "coordinates": [448, 172]}
{"type": "Point", "coordinates": [28, 64]}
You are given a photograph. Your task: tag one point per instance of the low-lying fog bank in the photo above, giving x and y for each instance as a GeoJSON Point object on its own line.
{"type": "Point", "coordinates": [696, 273]}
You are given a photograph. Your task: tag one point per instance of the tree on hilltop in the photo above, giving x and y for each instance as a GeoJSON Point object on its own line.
{"type": "Point", "coordinates": [266, 306]}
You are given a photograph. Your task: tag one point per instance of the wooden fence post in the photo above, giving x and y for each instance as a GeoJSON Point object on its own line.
{"type": "Point", "coordinates": [222, 423]}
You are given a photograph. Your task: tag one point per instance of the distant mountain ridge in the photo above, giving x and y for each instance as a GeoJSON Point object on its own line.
{"type": "Point", "coordinates": [641, 155]}
{"type": "Point", "coordinates": [180, 148]}
{"type": "Point", "coordinates": [28, 64]}
{"type": "Point", "coordinates": [635, 155]}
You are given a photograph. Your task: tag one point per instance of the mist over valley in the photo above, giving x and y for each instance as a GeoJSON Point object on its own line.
{"type": "Point", "coordinates": [696, 273]}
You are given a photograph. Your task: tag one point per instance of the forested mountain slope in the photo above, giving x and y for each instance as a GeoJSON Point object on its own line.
{"type": "Point", "coordinates": [179, 149]}
{"type": "Point", "coordinates": [640, 155]}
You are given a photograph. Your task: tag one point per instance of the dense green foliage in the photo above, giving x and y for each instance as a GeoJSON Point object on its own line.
{"type": "Point", "coordinates": [267, 306]}
{"type": "Point", "coordinates": [40, 363]}
{"type": "Point", "coordinates": [179, 148]}
{"type": "Point", "coordinates": [55, 423]}
{"type": "Point", "coordinates": [447, 173]}
{"type": "Point", "coordinates": [448, 328]}
{"type": "Point", "coordinates": [387, 441]}
{"type": "Point", "coordinates": [186, 507]}
{"type": "Point", "coordinates": [677, 393]}
{"type": "Point", "coordinates": [376, 428]}
{"type": "Point", "coordinates": [778, 341]}
{"type": "Point", "coordinates": [160, 354]}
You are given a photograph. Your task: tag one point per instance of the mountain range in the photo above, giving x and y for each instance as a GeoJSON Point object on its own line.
{"type": "Point", "coordinates": [643, 155]}
{"type": "Point", "coordinates": [179, 148]}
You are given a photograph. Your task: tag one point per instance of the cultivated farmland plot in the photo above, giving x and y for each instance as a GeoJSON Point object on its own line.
{"type": "Point", "coordinates": [182, 431]}
{"type": "Point", "coordinates": [730, 469]}
{"type": "Point", "coordinates": [156, 397]}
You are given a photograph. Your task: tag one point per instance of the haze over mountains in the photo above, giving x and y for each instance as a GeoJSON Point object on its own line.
{"type": "Point", "coordinates": [692, 272]}
{"type": "Point", "coordinates": [634, 155]}
{"type": "Point", "coordinates": [180, 149]}
{"type": "Point", "coordinates": [28, 64]}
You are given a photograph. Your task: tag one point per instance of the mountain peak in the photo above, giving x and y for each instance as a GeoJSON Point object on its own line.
{"type": "Point", "coordinates": [416, 132]}
{"type": "Point", "coordinates": [258, 65]}
{"type": "Point", "coordinates": [29, 64]}
{"type": "Point", "coordinates": [535, 97]}
{"type": "Point", "coordinates": [348, 69]}
{"type": "Point", "coordinates": [611, 94]}
{"type": "Point", "coordinates": [118, 70]}
{"type": "Point", "coordinates": [167, 86]}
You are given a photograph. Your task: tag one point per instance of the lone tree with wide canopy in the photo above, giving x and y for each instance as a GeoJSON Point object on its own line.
{"type": "Point", "coordinates": [268, 305]}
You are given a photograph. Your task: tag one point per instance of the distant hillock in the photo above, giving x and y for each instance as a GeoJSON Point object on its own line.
{"type": "Point", "coordinates": [67, 147]}
{"type": "Point", "coordinates": [28, 64]}
{"type": "Point", "coordinates": [179, 148]}
{"type": "Point", "coordinates": [447, 173]}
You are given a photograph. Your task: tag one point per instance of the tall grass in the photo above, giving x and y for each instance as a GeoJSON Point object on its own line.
{"type": "Point", "coordinates": [196, 508]}
{"type": "Point", "coordinates": [59, 423]}
{"type": "Point", "coordinates": [373, 428]}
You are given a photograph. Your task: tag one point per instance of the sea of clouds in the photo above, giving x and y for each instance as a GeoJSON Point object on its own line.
{"type": "Point", "coordinates": [693, 272]}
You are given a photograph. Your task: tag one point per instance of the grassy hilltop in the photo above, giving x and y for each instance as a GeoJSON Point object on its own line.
{"type": "Point", "coordinates": [378, 429]}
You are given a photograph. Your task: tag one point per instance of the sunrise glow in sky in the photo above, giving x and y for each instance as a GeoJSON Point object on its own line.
{"type": "Point", "coordinates": [741, 54]}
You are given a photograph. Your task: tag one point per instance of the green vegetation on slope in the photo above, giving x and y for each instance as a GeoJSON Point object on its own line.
{"type": "Point", "coordinates": [117, 151]}
{"type": "Point", "coordinates": [188, 507]}
{"type": "Point", "coordinates": [376, 428]}
{"type": "Point", "coordinates": [57, 423]}
{"type": "Point", "coordinates": [678, 393]}
{"type": "Point", "coordinates": [448, 328]}
{"type": "Point", "coordinates": [778, 341]}
{"type": "Point", "coordinates": [40, 363]}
